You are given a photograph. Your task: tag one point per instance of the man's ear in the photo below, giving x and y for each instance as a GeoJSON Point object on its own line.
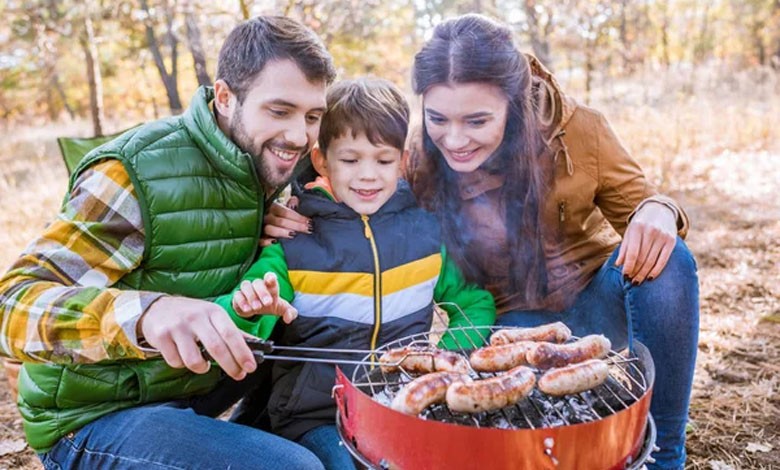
{"type": "Point", "coordinates": [224, 99]}
{"type": "Point", "coordinates": [319, 162]}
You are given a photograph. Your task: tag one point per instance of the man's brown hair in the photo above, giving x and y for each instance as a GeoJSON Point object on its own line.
{"type": "Point", "coordinates": [370, 106]}
{"type": "Point", "coordinates": [254, 43]}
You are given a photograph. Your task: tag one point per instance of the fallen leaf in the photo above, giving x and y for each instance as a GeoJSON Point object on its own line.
{"type": "Point", "coordinates": [752, 447]}
{"type": "Point", "coordinates": [12, 446]}
{"type": "Point", "coordinates": [720, 465]}
{"type": "Point", "coordinates": [773, 317]}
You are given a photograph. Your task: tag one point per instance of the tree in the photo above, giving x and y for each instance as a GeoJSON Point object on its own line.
{"type": "Point", "coordinates": [94, 77]}
{"type": "Point", "coordinates": [169, 79]}
{"type": "Point", "coordinates": [196, 46]}
{"type": "Point", "coordinates": [539, 25]}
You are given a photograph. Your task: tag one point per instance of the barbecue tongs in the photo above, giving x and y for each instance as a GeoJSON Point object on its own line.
{"type": "Point", "coordinates": [262, 349]}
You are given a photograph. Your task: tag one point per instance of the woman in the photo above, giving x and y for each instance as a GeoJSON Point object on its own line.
{"type": "Point", "coordinates": [535, 192]}
{"type": "Point", "coordinates": [542, 205]}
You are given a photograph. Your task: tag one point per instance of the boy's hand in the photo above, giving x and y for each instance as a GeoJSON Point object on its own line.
{"type": "Point", "coordinates": [261, 296]}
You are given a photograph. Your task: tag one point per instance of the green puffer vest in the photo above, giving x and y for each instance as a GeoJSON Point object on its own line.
{"type": "Point", "coordinates": [202, 208]}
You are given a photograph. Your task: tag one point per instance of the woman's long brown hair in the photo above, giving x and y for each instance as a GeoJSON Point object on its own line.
{"type": "Point", "coordinates": [475, 49]}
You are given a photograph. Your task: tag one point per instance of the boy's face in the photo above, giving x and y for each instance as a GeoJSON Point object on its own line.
{"type": "Point", "coordinates": [363, 175]}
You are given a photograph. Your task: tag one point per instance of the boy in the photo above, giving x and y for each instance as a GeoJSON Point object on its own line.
{"type": "Point", "coordinates": [368, 274]}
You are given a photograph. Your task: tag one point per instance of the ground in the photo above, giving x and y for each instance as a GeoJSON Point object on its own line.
{"type": "Point", "coordinates": [735, 410]}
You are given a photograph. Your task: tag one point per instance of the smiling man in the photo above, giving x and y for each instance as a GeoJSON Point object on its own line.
{"type": "Point", "coordinates": [106, 307]}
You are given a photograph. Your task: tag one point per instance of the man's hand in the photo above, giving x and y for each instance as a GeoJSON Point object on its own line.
{"type": "Point", "coordinates": [648, 242]}
{"type": "Point", "coordinates": [261, 296]}
{"type": "Point", "coordinates": [178, 326]}
{"type": "Point", "coordinates": [283, 222]}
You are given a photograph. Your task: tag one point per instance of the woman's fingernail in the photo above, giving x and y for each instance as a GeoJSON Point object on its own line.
{"type": "Point", "coordinates": [635, 283]}
{"type": "Point", "coordinates": [274, 241]}
{"type": "Point", "coordinates": [311, 226]}
{"type": "Point", "coordinates": [650, 278]}
{"type": "Point", "coordinates": [293, 234]}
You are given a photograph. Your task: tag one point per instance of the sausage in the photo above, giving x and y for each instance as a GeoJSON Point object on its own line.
{"type": "Point", "coordinates": [574, 378]}
{"type": "Point", "coordinates": [493, 393]}
{"type": "Point", "coordinates": [424, 391]}
{"type": "Point", "coordinates": [548, 355]}
{"type": "Point", "coordinates": [552, 332]}
{"type": "Point", "coordinates": [503, 357]}
{"type": "Point", "coordinates": [423, 360]}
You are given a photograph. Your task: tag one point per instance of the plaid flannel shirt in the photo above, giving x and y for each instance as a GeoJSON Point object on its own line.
{"type": "Point", "coordinates": [56, 301]}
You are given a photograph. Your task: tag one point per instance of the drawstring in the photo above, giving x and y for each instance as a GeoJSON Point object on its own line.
{"type": "Point", "coordinates": [565, 150]}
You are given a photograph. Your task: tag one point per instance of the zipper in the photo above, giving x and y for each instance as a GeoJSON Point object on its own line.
{"type": "Point", "coordinates": [561, 217]}
{"type": "Point", "coordinates": [377, 286]}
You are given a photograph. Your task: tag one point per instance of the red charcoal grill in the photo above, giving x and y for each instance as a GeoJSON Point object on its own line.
{"type": "Point", "coordinates": [608, 427]}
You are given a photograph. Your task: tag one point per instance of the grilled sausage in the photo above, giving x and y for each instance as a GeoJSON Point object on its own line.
{"type": "Point", "coordinates": [552, 332]}
{"type": "Point", "coordinates": [503, 357]}
{"type": "Point", "coordinates": [422, 360]}
{"type": "Point", "coordinates": [547, 355]}
{"type": "Point", "coordinates": [424, 391]}
{"type": "Point", "coordinates": [493, 393]}
{"type": "Point", "coordinates": [574, 378]}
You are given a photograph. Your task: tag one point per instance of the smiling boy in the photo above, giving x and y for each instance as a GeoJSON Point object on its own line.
{"type": "Point", "coordinates": [368, 274]}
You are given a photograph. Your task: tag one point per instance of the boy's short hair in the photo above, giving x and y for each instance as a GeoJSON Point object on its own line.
{"type": "Point", "coordinates": [255, 42]}
{"type": "Point", "coordinates": [371, 106]}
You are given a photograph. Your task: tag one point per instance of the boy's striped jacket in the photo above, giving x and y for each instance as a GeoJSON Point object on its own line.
{"type": "Point", "coordinates": [357, 282]}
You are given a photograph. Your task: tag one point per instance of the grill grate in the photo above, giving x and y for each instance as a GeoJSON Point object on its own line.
{"type": "Point", "coordinates": [626, 383]}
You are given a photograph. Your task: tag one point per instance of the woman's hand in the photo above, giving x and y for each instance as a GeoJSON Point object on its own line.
{"type": "Point", "coordinates": [283, 222]}
{"type": "Point", "coordinates": [261, 296]}
{"type": "Point", "coordinates": [648, 242]}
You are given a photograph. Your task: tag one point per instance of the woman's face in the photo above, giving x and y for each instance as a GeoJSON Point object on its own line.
{"type": "Point", "coordinates": [466, 121]}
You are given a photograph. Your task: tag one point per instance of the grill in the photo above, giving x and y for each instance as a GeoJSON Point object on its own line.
{"type": "Point", "coordinates": [606, 427]}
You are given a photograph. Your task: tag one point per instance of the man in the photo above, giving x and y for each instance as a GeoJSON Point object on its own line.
{"type": "Point", "coordinates": [106, 308]}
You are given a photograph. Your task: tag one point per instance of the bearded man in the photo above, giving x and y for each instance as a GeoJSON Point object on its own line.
{"type": "Point", "coordinates": [108, 309]}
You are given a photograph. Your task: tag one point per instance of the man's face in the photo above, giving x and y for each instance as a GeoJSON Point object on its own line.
{"type": "Point", "coordinates": [363, 175]}
{"type": "Point", "coordinates": [278, 121]}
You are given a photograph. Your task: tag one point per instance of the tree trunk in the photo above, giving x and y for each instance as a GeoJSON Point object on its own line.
{"type": "Point", "coordinates": [196, 46]}
{"type": "Point", "coordinates": [244, 9]}
{"type": "Point", "coordinates": [539, 43]}
{"type": "Point", "coordinates": [665, 34]}
{"type": "Point", "coordinates": [94, 77]}
{"type": "Point", "coordinates": [589, 67]}
{"type": "Point", "coordinates": [55, 81]}
{"type": "Point", "coordinates": [625, 43]}
{"type": "Point", "coordinates": [169, 80]}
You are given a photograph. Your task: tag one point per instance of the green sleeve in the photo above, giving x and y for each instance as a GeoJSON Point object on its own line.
{"type": "Point", "coordinates": [477, 307]}
{"type": "Point", "coordinates": [271, 260]}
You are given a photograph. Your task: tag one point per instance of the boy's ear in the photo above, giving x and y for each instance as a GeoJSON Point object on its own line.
{"type": "Point", "coordinates": [319, 162]}
{"type": "Point", "coordinates": [224, 99]}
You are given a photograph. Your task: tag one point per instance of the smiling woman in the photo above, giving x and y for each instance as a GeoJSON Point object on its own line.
{"type": "Point", "coordinates": [466, 121]}
{"type": "Point", "coordinates": [540, 203]}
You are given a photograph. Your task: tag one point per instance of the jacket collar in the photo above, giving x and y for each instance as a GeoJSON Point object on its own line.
{"type": "Point", "coordinates": [218, 148]}
{"type": "Point", "coordinates": [315, 202]}
{"type": "Point", "coordinates": [478, 182]}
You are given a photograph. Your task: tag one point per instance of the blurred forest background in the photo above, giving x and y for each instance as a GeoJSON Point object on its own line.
{"type": "Point", "coordinates": [691, 86]}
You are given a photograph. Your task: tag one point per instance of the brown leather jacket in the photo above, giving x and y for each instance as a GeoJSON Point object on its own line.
{"type": "Point", "coordinates": [597, 187]}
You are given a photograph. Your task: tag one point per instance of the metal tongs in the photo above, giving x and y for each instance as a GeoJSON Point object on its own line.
{"type": "Point", "coordinates": [262, 349]}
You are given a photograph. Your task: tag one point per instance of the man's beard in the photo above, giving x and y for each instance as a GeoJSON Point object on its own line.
{"type": "Point", "coordinates": [270, 177]}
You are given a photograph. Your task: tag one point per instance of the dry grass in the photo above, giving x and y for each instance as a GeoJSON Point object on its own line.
{"type": "Point", "coordinates": [715, 146]}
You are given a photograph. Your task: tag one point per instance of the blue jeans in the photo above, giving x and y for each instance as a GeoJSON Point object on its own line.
{"type": "Point", "coordinates": [664, 315]}
{"type": "Point", "coordinates": [325, 443]}
{"type": "Point", "coordinates": [177, 435]}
